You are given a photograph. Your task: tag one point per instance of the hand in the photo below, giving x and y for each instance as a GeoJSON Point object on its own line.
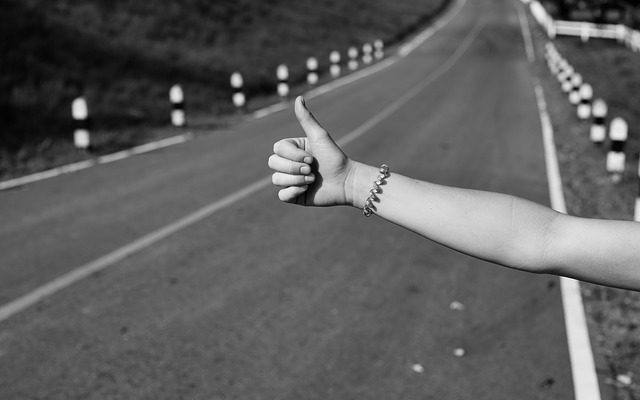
{"type": "Point", "coordinates": [312, 170]}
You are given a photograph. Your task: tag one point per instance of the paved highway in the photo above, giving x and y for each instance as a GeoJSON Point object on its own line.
{"type": "Point", "coordinates": [262, 300]}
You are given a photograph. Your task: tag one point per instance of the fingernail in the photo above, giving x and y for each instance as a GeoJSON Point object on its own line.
{"type": "Point", "coordinates": [305, 169]}
{"type": "Point", "coordinates": [309, 178]}
{"type": "Point", "coordinates": [308, 160]}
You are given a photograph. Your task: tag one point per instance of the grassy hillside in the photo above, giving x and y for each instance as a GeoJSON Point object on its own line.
{"type": "Point", "coordinates": [123, 55]}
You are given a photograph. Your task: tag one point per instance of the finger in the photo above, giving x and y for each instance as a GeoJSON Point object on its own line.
{"type": "Point", "coordinates": [289, 194]}
{"type": "Point", "coordinates": [309, 123]}
{"type": "Point", "coordinates": [280, 179]}
{"type": "Point", "coordinates": [293, 149]}
{"type": "Point", "coordinates": [281, 164]}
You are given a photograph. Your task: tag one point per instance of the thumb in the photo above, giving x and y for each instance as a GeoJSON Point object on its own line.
{"type": "Point", "coordinates": [309, 124]}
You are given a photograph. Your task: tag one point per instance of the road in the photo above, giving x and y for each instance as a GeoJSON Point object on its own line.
{"type": "Point", "coordinates": [263, 300]}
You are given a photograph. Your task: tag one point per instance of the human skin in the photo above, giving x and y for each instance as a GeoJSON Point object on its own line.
{"type": "Point", "coordinates": [504, 229]}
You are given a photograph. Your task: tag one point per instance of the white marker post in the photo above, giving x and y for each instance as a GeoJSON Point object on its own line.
{"type": "Point", "coordinates": [239, 99]}
{"type": "Point", "coordinates": [618, 132]}
{"type": "Point", "coordinates": [80, 115]}
{"type": "Point", "coordinates": [378, 53]}
{"type": "Point", "coordinates": [367, 50]}
{"type": "Point", "coordinates": [312, 71]}
{"type": "Point", "coordinates": [566, 81]}
{"type": "Point", "coordinates": [353, 58]}
{"type": "Point", "coordinates": [574, 93]}
{"type": "Point", "coordinates": [334, 59]}
{"type": "Point", "coordinates": [283, 80]}
{"type": "Point", "coordinates": [598, 131]}
{"type": "Point", "coordinates": [176, 96]}
{"type": "Point", "coordinates": [584, 107]}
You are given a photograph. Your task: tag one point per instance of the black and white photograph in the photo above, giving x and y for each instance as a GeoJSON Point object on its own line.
{"type": "Point", "coordinates": [320, 199]}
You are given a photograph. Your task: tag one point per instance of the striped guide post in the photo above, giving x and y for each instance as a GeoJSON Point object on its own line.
{"type": "Point", "coordinates": [334, 60]}
{"type": "Point", "coordinates": [584, 106]}
{"type": "Point", "coordinates": [239, 99]}
{"type": "Point", "coordinates": [636, 216]}
{"type": "Point", "coordinates": [566, 78]}
{"type": "Point", "coordinates": [312, 71]}
{"type": "Point", "coordinates": [367, 50]}
{"type": "Point", "coordinates": [598, 132]}
{"type": "Point", "coordinates": [353, 58]}
{"type": "Point", "coordinates": [176, 96]}
{"type": "Point", "coordinates": [574, 92]}
{"type": "Point", "coordinates": [378, 53]}
{"type": "Point", "coordinates": [80, 115]}
{"type": "Point", "coordinates": [282, 73]}
{"type": "Point", "coordinates": [618, 132]}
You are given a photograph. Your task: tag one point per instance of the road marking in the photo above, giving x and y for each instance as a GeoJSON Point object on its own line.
{"type": "Point", "coordinates": [404, 51]}
{"type": "Point", "coordinates": [583, 369]}
{"type": "Point", "coordinates": [585, 381]}
{"type": "Point", "coordinates": [79, 273]}
{"type": "Point", "coordinates": [261, 113]}
{"type": "Point", "coordinates": [526, 34]}
{"type": "Point", "coordinates": [66, 169]}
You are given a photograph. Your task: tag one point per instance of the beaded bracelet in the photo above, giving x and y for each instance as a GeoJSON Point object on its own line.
{"type": "Point", "coordinates": [369, 208]}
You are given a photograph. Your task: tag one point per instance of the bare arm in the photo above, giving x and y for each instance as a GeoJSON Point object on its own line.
{"type": "Point", "coordinates": [507, 230]}
{"type": "Point", "coordinates": [500, 228]}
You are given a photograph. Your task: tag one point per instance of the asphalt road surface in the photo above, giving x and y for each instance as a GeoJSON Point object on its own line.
{"type": "Point", "coordinates": [262, 300]}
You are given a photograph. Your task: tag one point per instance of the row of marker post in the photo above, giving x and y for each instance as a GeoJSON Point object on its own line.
{"type": "Point", "coordinates": [580, 94]}
{"type": "Point", "coordinates": [370, 52]}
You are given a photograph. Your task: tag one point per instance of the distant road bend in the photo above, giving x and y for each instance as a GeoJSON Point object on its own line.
{"type": "Point", "coordinates": [215, 290]}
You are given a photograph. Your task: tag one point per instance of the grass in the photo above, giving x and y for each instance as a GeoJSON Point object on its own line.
{"type": "Point", "coordinates": [124, 55]}
{"type": "Point", "coordinates": [613, 314]}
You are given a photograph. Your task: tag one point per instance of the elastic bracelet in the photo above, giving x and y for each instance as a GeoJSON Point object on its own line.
{"type": "Point", "coordinates": [369, 208]}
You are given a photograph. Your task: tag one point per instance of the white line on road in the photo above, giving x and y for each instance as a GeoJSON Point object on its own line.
{"type": "Point", "coordinates": [585, 381]}
{"type": "Point", "coordinates": [79, 273]}
{"type": "Point", "coordinates": [66, 169]}
{"type": "Point", "coordinates": [404, 51]}
{"type": "Point", "coordinates": [261, 113]}
{"type": "Point", "coordinates": [526, 34]}
{"type": "Point", "coordinates": [583, 370]}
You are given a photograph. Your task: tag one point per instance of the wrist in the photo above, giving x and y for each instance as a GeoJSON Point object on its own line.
{"type": "Point", "coordinates": [358, 183]}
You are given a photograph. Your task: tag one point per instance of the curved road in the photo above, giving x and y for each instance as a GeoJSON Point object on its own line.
{"type": "Point", "coordinates": [261, 300]}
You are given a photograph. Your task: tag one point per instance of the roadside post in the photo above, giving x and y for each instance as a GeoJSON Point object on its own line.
{"type": "Point", "coordinates": [312, 70]}
{"type": "Point", "coordinates": [80, 115]}
{"type": "Point", "coordinates": [239, 99]}
{"type": "Point", "coordinates": [584, 106]}
{"type": "Point", "coordinates": [176, 96]}
{"type": "Point", "coordinates": [282, 73]}
{"type": "Point", "coordinates": [353, 58]}
{"type": "Point", "coordinates": [618, 132]}
{"type": "Point", "coordinates": [334, 59]}
{"type": "Point", "coordinates": [598, 132]}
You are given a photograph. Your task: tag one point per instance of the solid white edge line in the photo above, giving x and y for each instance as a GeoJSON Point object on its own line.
{"type": "Point", "coordinates": [403, 51]}
{"type": "Point", "coordinates": [77, 166]}
{"type": "Point", "coordinates": [79, 273]}
{"type": "Point", "coordinates": [583, 370]}
{"type": "Point", "coordinates": [526, 34]}
{"type": "Point", "coordinates": [261, 113]}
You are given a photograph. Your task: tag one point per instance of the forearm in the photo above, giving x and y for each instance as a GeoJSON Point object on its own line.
{"type": "Point", "coordinates": [495, 227]}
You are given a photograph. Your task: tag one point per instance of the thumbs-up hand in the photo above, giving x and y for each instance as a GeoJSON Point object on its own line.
{"type": "Point", "coordinates": [312, 170]}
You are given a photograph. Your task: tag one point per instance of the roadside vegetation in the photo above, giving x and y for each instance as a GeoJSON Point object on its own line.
{"type": "Point", "coordinates": [124, 55]}
{"type": "Point", "coordinates": [614, 72]}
